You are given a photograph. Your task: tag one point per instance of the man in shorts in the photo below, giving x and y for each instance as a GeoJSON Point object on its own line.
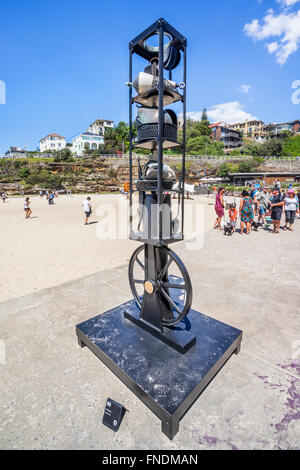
{"type": "Point", "coordinates": [87, 207]}
{"type": "Point", "coordinates": [263, 200]}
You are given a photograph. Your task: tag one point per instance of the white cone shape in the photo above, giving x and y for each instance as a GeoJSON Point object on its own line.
{"type": "Point", "coordinates": [145, 81]}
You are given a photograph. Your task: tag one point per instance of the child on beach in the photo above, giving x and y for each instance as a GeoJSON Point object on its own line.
{"type": "Point", "coordinates": [87, 207]}
{"type": "Point", "coordinates": [233, 214]}
{"type": "Point", "coordinates": [27, 209]}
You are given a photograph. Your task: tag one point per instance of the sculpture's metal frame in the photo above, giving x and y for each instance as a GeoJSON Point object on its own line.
{"type": "Point", "coordinates": [135, 47]}
{"type": "Point", "coordinates": [158, 311]}
{"type": "Point", "coordinates": [167, 381]}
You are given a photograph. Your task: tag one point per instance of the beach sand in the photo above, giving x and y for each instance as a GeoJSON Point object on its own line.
{"type": "Point", "coordinates": [54, 246]}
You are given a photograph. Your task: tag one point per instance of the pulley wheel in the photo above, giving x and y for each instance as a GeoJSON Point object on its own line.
{"type": "Point", "coordinates": [172, 283]}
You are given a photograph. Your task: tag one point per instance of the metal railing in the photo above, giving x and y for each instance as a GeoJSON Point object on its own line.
{"type": "Point", "coordinates": [188, 157]}
{"type": "Point", "coordinates": [206, 157]}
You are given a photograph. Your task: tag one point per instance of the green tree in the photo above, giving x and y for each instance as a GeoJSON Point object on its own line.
{"type": "Point", "coordinates": [20, 162]}
{"type": "Point", "coordinates": [250, 148]}
{"type": "Point", "coordinates": [203, 145]}
{"type": "Point", "coordinates": [249, 165]}
{"type": "Point", "coordinates": [196, 129]}
{"type": "Point", "coordinates": [64, 155]}
{"type": "Point", "coordinates": [23, 173]}
{"type": "Point", "coordinates": [245, 167]}
{"type": "Point", "coordinates": [117, 138]}
{"type": "Point", "coordinates": [291, 146]}
{"type": "Point", "coordinates": [272, 147]}
{"type": "Point", "coordinates": [224, 169]}
{"type": "Point", "coordinates": [204, 115]}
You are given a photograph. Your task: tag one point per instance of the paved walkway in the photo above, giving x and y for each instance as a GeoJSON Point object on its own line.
{"type": "Point", "coordinates": [53, 393]}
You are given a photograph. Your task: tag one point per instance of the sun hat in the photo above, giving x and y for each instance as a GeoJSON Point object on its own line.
{"type": "Point", "coordinates": [291, 191]}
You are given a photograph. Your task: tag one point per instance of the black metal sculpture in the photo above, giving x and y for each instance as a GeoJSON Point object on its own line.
{"type": "Point", "coordinates": [165, 299]}
{"type": "Point", "coordinates": [168, 382]}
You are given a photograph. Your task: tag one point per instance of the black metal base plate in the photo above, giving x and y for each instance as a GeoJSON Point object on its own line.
{"type": "Point", "coordinates": [167, 381]}
{"type": "Point", "coordinates": [176, 337]}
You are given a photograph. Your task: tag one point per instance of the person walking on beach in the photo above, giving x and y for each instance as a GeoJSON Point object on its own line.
{"type": "Point", "coordinates": [51, 198]}
{"type": "Point", "coordinates": [277, 203]}
{"type": "Point", "coordinates": [290, 207]}
{"type": "Point", "coordinates": [246, 212]}
{"type": "Point", "coordinates": [3, 196]}
{"type": "Point", "coordinates": [87, 207]}
{"type": "Point", "coordinates": [219, 208]}
{"type": "Point", "coordinates": [27, 209]}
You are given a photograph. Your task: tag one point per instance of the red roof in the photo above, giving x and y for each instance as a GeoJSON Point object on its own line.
{"type": "Point", "coordinates": [52, 135]}
{"type": "Point", "coordinates": [215, 125]}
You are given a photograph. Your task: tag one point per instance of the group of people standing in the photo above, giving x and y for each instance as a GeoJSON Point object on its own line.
{"type": "Point", "coordinates": [260, 202]}
{"type": "Point", "coordinates": [50, 195]}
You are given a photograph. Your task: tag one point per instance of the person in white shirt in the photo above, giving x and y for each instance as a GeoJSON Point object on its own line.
{"type": "Point", "coordinates": [87, 207]}
{"type": "Point", "coordinates": [290, 207]}
{"type": "Point", "coordinates": [27, 209]}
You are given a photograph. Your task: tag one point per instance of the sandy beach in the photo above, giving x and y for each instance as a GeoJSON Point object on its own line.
{"type": "Point", "coordinates": [53, 392]}
{"type": "Point", "coordinates": [54, 246]}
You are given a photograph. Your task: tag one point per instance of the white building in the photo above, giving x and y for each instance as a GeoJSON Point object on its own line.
{"type": "Point", "coordinates": [52, 142]}
{"type": "Point", "coordinates": [99, 126]}
{"type": "Point", "coordinates": [15, 152]}
{"type": "Point", "coordinates": [86, 140]}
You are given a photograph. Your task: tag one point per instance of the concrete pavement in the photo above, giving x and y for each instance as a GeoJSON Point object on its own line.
{"type": "Point", "coordinates": [53, 392]}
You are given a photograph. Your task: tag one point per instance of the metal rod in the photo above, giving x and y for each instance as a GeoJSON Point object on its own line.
{"type": "Point", "coordinates": [183, 140]}
{"type": "Point", "coordinates": [153, 28]}
{"type": "Point", "coordinates": [160, 127]}
{"type": "Point", "coordinates": [130, 140]}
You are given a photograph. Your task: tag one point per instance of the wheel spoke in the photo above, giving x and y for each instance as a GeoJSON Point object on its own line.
{"type": "Point", "coordinates": [165, 268]}
{"type": "Point", "coordinates": [170, 285]}
{"type": "Point", "coordinates": [179, 301]}
{"type": "Point", "coordinates": [140, 264]}
{"type": "Point", "coordinates": [171, 301]}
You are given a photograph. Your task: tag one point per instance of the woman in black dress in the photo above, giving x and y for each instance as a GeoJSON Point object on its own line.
{"type": "Point", "coordinates": [277, 204]}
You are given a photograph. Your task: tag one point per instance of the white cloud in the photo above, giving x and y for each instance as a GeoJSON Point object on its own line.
{"type": "Point", "coordinates": [230, 113]}
{"type": "Point", "coordinates": [288, 3]}
{"type": "Point", "coordinates": [245, 89]}
{"type": "Point", "coordinates": [285, 26]}
{"type": "Point", "coordinates": [272, 47]}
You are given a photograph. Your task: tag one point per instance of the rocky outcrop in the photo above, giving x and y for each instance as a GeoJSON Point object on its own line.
{"type": "Point", "coordinates": [103, 175]}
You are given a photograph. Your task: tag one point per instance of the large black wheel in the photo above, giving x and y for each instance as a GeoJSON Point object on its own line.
{"type": "Point", "coordinates": [172, 282]}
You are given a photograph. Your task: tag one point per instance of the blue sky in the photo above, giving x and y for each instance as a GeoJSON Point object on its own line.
{"type": "Point", "coordinates": [64, 63]}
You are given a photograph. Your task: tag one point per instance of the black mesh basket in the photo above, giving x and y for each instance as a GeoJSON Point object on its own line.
{"type": "Point", "coordinates": [150, 132]}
